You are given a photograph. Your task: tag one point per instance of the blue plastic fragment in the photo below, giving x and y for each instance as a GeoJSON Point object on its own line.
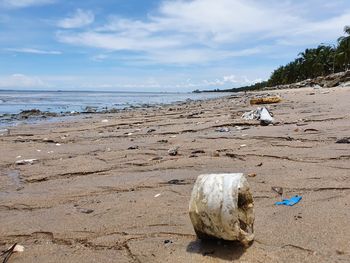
{"type": "Point", "coordinates": [290, 202]}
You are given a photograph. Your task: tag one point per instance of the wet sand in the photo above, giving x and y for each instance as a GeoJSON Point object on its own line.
{"type": "Point", "coordinates": [110, 192]}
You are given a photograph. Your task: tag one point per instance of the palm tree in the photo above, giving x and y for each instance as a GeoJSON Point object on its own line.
{"type": "Point", "coordinates": [343, 51]}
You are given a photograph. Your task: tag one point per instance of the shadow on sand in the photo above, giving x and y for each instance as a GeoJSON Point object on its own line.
{"type": "Point", "coordinates": [226, 250]}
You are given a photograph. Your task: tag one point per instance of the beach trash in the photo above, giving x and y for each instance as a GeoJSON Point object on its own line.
{"type": "Point", "coordinates": [266, 100]}
{"type": "Point", "coordinates": [222, 207]}
{"type": "Point", "coordinates": [265, 117]}
{"type": "Point", "coordinates": [26, 161]}
{"type": "Point", "coordinates": [261, 114]}
{"type": "Point", "coordinates": [290, 202]}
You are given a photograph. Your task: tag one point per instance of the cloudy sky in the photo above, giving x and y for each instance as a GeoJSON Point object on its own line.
{"type": "Point", "coordinates": [157, 45]}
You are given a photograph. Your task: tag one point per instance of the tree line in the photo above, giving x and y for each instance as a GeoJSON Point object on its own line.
{"type": "Point", "coordinates": [312, 63]}
{"type": "Point", "coordinates": [315, 62]}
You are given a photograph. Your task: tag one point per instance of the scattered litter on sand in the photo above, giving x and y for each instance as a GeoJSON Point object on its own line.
{"type": "Point", "coordinates": [261, 114]}
{"type": "Point", "coordinates": [266, 100]}
{"type": "Point", "coordinates": [26, 161]}
{"type": "Point", "coordinates": [104, 121]}
{"type": "Point", "coordinates": [223, 129]}
{"type": "Point", "coordinates": [157, 195]}
{"type": "Point", "coordinates": [252, 175]}
{"type": "Point", "coordinates": [290, 202]}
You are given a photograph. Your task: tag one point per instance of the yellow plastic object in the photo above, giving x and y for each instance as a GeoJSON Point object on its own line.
{"type": "Point", "coordinates": [267, 100]}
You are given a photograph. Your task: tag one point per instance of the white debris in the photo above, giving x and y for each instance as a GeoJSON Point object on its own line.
{"type": "Point", "coordinates": [261, 114]}
{"type": "Point", "coordinates": [104, 121]}
{"type": "Point", "coordinates": [18, 248]}
{"type": "Point", "coordinates": [26, 161]}
{"type": "Point", "coordinates": [222, 207]}
{"type": "Point", "coordinates": [265, 117]}
{"type": "Point", "coordinates": [157, 195]}
{"type": "Point", "coordinates": [4, 132]}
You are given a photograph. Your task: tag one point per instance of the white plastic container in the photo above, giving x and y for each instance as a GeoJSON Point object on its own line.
{"type": "Point", "coordinates": [222, 207]}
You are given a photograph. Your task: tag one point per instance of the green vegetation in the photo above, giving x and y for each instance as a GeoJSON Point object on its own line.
{"type": "Point", "coordinates": [312, 63]}
{"type": "Point", "coordinates": [315, 62]}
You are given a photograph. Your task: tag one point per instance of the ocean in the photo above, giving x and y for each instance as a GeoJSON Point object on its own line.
{"type": "Point", "coordinates": [13, 102]}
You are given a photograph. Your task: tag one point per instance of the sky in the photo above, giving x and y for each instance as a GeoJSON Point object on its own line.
{"type": "Point", "coordinates": [158, 45]}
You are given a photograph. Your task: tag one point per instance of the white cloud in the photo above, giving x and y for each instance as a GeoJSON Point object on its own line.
{"type": "Point", "coordinates": [229, 81]}
{"type": "Point", "coordinates": [200, 31]}
{"type": "Point", "coordinates": [21, 81]}
{"type": "Point", "coordinates": [79, 19]}
{"type": "Point", "coordinates": [24, 3]}
{"type": "Point", "coordinates": [34, 51]}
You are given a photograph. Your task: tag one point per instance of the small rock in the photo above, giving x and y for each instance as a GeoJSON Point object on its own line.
{"type": "Point", "coordinates": [157, 158]}
{"type": "Point", "coordinates": [151, 130]}
{"type": "Point", "coordinates": [278, 190]}
{"type": "Point", "coordinates": [133, 147]}
{"type": "Point", "coordinates": [216, 154]}
{"type": "Point", "coordinates": [176, 182]}
{"type": "Point", "coordinates": [223, 129]}
{"type": "Point", "coordinates": [86, 211]}
{"type": "Point", "coordinates": [173, 151]}
{"type": "Point", "coordinates": [344, 140]}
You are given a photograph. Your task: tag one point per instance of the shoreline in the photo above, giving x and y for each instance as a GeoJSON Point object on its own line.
{"type": "Point", "coordinates": [35, 116]}
{"type": "Point", "coordinates": [110, 191]}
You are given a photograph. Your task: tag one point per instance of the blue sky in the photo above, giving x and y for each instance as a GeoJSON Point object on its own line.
{"type": "Point", "coordinates": [157, 45]}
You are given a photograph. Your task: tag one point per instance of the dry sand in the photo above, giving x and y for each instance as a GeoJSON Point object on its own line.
{"type": "Point", "coordinates": [91, 199]}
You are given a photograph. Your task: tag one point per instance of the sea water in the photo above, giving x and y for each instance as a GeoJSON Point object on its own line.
{"type": "Point", "coordinates": [13, 102]}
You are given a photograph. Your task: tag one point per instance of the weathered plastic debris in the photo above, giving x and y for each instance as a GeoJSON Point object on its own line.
{"type": "Point", "coordinates": [261, 114]}
{"type": "Point", "coordinates": [290, 202]}
{"type": "Point", "coordinates": [266, 100]}
{"type": "Point", "coordinates": [222, 207]}
{"type": "Point", "coordinates": [265, 117]}
{"type": "Point", "coordinates": [26, 161]}
{"type": "Point", "coordinates": [223, 129]}
{"type": "Point", "coordinates": [251, 115]}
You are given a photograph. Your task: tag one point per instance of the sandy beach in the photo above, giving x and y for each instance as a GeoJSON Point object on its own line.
{"type": "Point", "coordinates": [103, 188]}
